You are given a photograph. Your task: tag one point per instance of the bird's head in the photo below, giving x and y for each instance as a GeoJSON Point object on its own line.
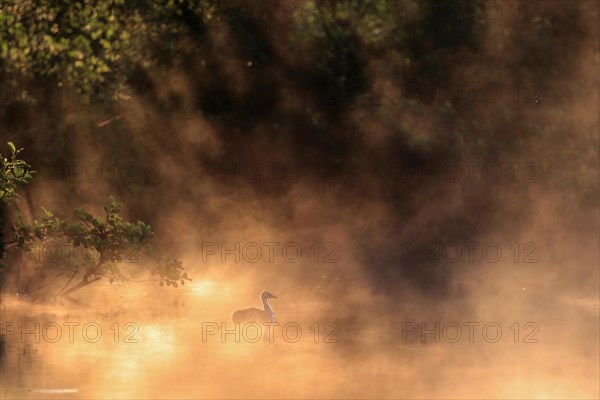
{"type": "Point", "coordinates": [267, 295]}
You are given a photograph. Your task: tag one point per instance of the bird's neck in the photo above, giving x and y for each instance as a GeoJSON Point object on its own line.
{"type": "Point", "coordinates": [266, 305]}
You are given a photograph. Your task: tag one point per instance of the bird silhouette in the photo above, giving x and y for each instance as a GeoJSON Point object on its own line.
{"type": "Point", "coordinates": [257, 315]}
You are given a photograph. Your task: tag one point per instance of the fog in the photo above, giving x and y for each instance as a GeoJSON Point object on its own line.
{"type": "Point", "coordinates": [424, 238]}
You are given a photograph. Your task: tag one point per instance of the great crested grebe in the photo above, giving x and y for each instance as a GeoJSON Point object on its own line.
{"type": "Point", "coordinates": [256, 314]}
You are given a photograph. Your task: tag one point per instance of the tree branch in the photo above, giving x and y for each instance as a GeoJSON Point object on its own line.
{"type": "Point", "coordinates": [84, 282]}
{"type": "Point", "coordinates": [67, 284]}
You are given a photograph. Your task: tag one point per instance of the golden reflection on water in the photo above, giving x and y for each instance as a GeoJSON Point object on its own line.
{"type": "Point", "coordinates": [151, 346]}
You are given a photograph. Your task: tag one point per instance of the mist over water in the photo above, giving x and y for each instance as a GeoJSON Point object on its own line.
{"type": "Point", "coordinates": [430, 232]}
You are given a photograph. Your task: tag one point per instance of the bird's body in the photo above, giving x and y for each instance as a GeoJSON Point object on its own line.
{"type": "Point", "coordinates": [256, 314]}
{"type": "Point", "coordinates": [252, 315]}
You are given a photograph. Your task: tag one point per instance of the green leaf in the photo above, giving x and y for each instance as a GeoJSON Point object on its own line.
{"type": "Point", "coordinates": [74, 229]}
{"type": "Point", "coordinates": [12, 147]}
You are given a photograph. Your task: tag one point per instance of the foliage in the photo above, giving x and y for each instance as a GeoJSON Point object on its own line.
{"type": "Point", "coordinates": [92, 44]}
{"type": "Point", "coordinates": [95, 44]}
{"type": "Point", "coordinates": [13, 172]}
{"type": "Point", "coordinates": [49, 39]}
{"type": "Point", "coordinates": [112, 240]}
